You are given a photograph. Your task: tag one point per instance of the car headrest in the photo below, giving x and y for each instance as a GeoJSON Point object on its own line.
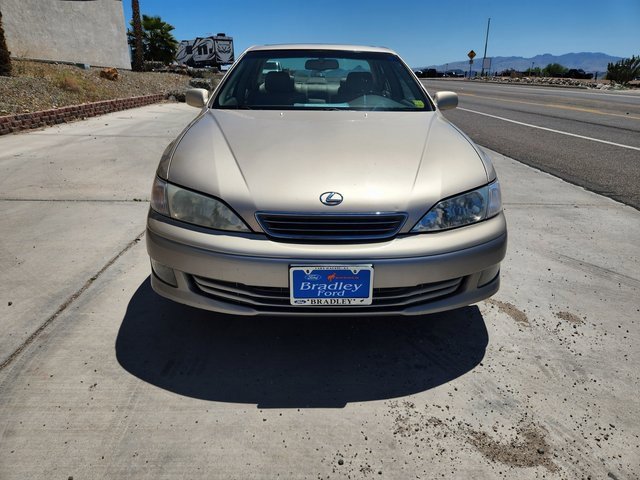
{"type": "Point", "coordinates": [359, 82]}
{"type": "Point", "coordinates": [278, 82]}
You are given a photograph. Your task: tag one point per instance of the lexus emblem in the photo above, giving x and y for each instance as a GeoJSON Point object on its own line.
{"type": "Point", "coordinates": [331, 199]}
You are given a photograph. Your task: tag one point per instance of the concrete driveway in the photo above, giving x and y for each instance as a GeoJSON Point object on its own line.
{"type": "Point", "coordinates": [101, 378]}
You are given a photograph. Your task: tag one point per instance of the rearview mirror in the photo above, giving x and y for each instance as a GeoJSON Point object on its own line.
{"type": "Point", "coordinates": [446, 100]}
{"type": "Point", "coordinates": [197, 97]}
{"type": "Point", "coordinates": [321, 64]}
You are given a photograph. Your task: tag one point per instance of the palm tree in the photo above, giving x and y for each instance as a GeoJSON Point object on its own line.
{"type": "Point", "coordinates": [158, 43]}
{"type": "Point", "coordinates": [137, 48]}
{"type": "Point", "coordinates": [5, 54]}
{"type": "Point", "coordinates": [161, 45]}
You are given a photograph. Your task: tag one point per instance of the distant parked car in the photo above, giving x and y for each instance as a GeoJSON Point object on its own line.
{"type": "Point", "coordinates": [579, 74]}
{"type": "Point", "coordinates": [431, 73]}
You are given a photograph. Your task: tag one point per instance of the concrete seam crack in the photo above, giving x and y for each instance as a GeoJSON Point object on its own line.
{"type": "Point", "coordinates": [67, 303]}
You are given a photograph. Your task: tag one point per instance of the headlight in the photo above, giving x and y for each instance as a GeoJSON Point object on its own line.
{"type": "Point", "coordinates": [465, 209]}
{"type": "Point", "coordinates": [191, 207]}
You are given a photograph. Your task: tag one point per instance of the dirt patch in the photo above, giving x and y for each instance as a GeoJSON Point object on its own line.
{"type": "Point", "coordinates": [570, 317]}
{"type": "Point", "coordinates": [505, 307]}
{"type": "Point", "coordinates": [37, 86]}
{"type": "Point", "coordinates": [524, 446]}
{"type": "Point", "coordinates": [528, 449]}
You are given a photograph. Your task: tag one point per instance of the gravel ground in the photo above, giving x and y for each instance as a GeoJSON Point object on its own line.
{"type": "Point", "coordinates": [560, 82]}
{"type": "Point", "coordinates": [40, 86]}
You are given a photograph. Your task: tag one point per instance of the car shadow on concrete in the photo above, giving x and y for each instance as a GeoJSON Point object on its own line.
{"type": "Point", "coordinates": [294, 362]}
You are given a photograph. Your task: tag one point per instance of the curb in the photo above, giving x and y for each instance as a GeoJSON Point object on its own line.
{"type": "Point", "coordinates": [28, 121]}
{"type": "Point", "coordinates": [533, 84]}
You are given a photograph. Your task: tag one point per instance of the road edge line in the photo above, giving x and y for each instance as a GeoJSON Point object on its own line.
{"type": "Point", "coordinates": [606, 142]}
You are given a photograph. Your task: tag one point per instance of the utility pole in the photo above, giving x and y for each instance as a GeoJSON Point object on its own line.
{"type": "Point", "coordinates": [486, 40]}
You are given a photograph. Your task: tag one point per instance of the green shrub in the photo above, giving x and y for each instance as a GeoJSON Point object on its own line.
{"type": "Point", "coordinates": [623, 71]}
{"type": "Point", "coordinates": [554, 70]}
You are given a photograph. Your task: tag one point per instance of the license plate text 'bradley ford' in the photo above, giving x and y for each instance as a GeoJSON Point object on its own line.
{"type": "Point", "coordinates": [331, 285]}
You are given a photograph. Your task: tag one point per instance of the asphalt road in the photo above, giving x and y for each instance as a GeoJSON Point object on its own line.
{"type": "Point", "coordinates": [595, 142]}
{"type": "Point", "coordinates": [100, 378]}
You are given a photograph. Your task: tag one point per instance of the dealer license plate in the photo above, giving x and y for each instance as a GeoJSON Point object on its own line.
{"type": "Point", "coordinates": [338, 285]}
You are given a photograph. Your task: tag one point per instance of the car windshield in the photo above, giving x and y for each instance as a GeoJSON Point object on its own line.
{"type": "Point", "coordinates": [321, 79]}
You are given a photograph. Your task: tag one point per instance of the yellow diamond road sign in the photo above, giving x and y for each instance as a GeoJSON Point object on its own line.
{"type": "Point", "coordinates": [471, 54]}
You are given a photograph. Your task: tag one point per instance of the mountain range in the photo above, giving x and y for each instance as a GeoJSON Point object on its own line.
{"type": "Point", "coordinates": [588, 61]}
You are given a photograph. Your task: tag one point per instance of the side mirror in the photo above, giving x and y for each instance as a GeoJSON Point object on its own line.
{"type": "Point", "coordinates": [446, 100]}
{"type": "Point", "coordinates": [197, 97]}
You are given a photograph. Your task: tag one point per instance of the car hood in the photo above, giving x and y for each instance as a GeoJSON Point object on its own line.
{"type": "Point", "coordinates": [265, 160]}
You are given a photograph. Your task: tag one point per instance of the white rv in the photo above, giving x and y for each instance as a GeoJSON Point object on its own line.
{"type": "Point", "coordinates": [206, 51]}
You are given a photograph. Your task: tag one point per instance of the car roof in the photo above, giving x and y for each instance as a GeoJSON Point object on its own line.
{"type": "Point", "coordinates": [320, 46]}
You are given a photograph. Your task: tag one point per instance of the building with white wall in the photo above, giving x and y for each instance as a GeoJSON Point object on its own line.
{"type": "Point", "coordinates": [76, 31]}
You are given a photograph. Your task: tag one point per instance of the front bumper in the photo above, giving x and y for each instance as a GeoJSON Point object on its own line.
{"type": "Point", "coordinates": [249, 274]}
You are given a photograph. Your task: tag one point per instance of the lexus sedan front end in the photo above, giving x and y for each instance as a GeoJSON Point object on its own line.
{"type": "Point", "coordinates": [332, 185]}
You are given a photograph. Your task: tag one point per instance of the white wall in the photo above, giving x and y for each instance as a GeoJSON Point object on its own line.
{"type": "Point", "coordinates": [78, 31]}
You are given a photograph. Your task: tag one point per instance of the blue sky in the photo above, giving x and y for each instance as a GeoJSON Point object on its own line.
{"type": "Point", "coordinates": [423, 32]}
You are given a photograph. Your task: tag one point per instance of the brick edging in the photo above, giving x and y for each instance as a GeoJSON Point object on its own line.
{"type": "Point", "coordinates": [44, 118]}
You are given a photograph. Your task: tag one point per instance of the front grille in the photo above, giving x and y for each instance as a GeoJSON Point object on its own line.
{"type": "Point", "coordinates": [277, 299]}
{"type": "Point", "coordinates": [336, 227]}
